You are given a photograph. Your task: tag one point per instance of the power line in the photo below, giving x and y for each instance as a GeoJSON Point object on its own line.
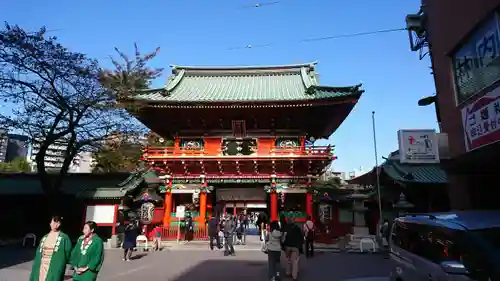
{"type": "Point", "coordinates": [316, 39]}
{"type": "Point", "coordinates": [258, 5]}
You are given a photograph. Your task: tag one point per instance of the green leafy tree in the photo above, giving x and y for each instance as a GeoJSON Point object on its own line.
{"type": "Point", "coordinates": [129, 75]}
{"type": "Point", "coordinates": [153, 139]}
{"type": "Point", "coordinates": [63, 98]}
{"type": "Point", "coordinates": [122, 158]}
{"type": "Point", "coordinates": [18, 165]}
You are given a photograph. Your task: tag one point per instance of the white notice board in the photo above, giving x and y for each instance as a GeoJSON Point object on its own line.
{"type": "Point", "coordinates": [179, 211]}
{"type": "Point", "coordinates": [100, 213]}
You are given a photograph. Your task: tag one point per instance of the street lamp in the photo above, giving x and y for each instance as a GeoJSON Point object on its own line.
{"type": "Point", "coordinates": [428, 101]}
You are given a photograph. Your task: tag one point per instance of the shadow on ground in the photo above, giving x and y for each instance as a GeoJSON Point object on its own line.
{"type": "Point", "coordinates": [14, 255]}
{"type": "Point", "coordinates": [138, 256]}
{"type": "Point", "coordinates": [225, 269]}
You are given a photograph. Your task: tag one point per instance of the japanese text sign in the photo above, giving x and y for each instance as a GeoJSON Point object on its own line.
{"type": "Point", "coordinates": [481, 121]}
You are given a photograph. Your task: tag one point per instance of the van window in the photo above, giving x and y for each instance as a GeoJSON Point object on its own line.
{"type": "Point", "coordinates": [403, 235]}
{"type": "Point", "coordinates": [428, 242]}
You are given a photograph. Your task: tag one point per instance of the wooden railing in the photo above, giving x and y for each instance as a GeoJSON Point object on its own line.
{"type": "Point", "coordinates": [171, 233]}
{"type": "Point", "coordinates": [170, 152]}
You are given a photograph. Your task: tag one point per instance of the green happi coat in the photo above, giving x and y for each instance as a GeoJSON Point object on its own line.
{"type": "Point", "coordinates": [58, 261]}
{"type": "Point", "coordinates": [92, 255]}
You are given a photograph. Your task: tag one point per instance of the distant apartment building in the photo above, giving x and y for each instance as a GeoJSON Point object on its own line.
{"type": "Point", "coordinates": [17, 147]}
{"type": "Point", "coordinates": [355, 173]}
{"type": "Point", "coordinates": [3, 145]}
{"type": "Point", "coordinates": [54, 157]}
{"type": "Point", "coordinates": [329, 174]}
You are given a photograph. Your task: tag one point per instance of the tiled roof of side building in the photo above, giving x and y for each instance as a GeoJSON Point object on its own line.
{"type": "Point", "coordinates": [298, 82]}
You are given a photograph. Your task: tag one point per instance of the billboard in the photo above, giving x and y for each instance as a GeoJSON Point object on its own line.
{"type": "Point", "coordinates": [418, 146]}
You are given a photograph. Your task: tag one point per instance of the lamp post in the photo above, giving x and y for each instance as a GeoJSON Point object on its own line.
{"type": "Point", "coordinates": [376, 167]}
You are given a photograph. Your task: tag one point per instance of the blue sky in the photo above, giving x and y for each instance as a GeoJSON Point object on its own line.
{"type": "Point", "coordinates": [202, 32]}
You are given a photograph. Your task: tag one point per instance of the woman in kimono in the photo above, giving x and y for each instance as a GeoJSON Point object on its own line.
{"type": "Point", "coordinates": [88, 254]}
{"type": "Point", "coordinates": [52, 254]}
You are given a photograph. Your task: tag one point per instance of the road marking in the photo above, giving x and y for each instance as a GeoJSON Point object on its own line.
{"type": "Point", "coordinates": [126, 272]}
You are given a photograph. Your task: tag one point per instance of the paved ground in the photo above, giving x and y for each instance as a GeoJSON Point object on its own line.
{"type": "Point", "coordinates": [194, 265]}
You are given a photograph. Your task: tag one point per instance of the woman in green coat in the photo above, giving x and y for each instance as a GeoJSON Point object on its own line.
{"type": "Point", "coordinates": [88, 254]}
{"type": "Point", "coordinates": [52, 254]}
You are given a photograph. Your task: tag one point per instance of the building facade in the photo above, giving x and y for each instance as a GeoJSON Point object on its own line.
{"type": "Point", "coordinates": [462, 39]}
{"type": "Point", "coordinates": [17, 147]}
{"type": "Point", "coordinates": [4, 139]}
{"type": "Point", "coordinates": [54, 158]}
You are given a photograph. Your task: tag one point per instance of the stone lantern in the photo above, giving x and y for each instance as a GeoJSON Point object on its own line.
{"type": "Point", "coordinates": [402, 206]}
{"type": "Point", "coordinates": [359, 209]}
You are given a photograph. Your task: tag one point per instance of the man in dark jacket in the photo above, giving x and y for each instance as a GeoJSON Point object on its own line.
{"type": "Point", "coordinates": [213, 233]}
{"type": "Point", "coordinates": [294, 246]}
{"type": "Point", "coordinates": [229, 228]}
{"type": "Point", "coordinates": [189, 229]}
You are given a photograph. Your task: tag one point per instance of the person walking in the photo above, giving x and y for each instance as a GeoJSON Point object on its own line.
{"type": "Point", "coordinates": [273, 249]}
{"type": "Point", "coordinates": [294, 245]}
{"type": "Point", "coordinates": [189, 228]}
{"type": "Point", "coordinates": [130, 239]}
{"type": "Point", "coordinates": [88, 254]}
{"type": "Point", "coordinates": [229, 228]}
{"type": "Point", "coordinates": [52, 254]}
{"type": "Point", "coordinates": [309, 233]}
{"type": "Point", "coordinates": [157, 239]}
{"type": "Point", "coordinates": [213, 233]}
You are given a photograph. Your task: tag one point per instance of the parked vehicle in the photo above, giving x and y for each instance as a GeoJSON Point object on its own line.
{"type": "Point", "coordinates": [451, 246]}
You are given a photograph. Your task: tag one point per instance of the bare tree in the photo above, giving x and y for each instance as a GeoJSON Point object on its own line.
{"type": "Point", "coordinates": [58, 98]}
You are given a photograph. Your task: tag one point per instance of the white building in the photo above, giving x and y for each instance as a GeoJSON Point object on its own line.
{"type": "Point", "coordinates": [82, 163]}
{"type": "Point", "coordinates": [355, 173]}
{"type": "Point", "coordinates": [54, 159]}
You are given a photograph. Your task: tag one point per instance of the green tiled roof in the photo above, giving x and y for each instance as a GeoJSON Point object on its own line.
{"type": "Point", "coordinates": [418, 173]}
{"type": "Point", "coordinates": [245, 84]}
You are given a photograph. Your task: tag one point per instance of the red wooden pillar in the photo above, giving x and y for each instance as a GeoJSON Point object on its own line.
{"type": "Point", "coordinates": [309, 205]}
{"type": "Point", "coordinates": [203, 209]}
{"type": "Point", "coordinates": [168, 208]}
{"type": "Point", "coordinates": [115, 219]}
{"type": "Point", "coordinates": [274, 205]}
{"type": "Point", "coordinates": [168, 204]}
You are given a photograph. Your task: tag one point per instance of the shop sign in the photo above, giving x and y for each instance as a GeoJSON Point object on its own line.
{"type": "Point", "coordinates": [476, 63]}
{"type": "Point", "coordinates": [418, 146]}
{"type": "Point", "coordinates": [481, 121]}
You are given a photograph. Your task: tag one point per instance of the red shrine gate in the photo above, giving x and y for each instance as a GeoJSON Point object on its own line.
{"type": "Point", "coordinates": [242, 135]}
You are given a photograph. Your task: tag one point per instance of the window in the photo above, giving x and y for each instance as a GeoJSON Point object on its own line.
{"type": "Point", "coordinates": [401, 235]}
{"type": "Point", "coordinates": [428, 242]}
{"type": "Point", "coordinates": [490, 235]}
{"type": "Point", "coordinates": [476, 64]}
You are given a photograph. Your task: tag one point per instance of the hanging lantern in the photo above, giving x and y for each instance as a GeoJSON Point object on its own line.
{"type": "Point", "coordinates": [196, 197]}
{"type": "Point", "coordinates": [146, 212]}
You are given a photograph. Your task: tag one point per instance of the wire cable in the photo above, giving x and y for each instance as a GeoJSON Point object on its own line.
{"type": "Point", "coordinates": [316, 39]}
{"type": "Point", "coordinates": [258, 5]}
